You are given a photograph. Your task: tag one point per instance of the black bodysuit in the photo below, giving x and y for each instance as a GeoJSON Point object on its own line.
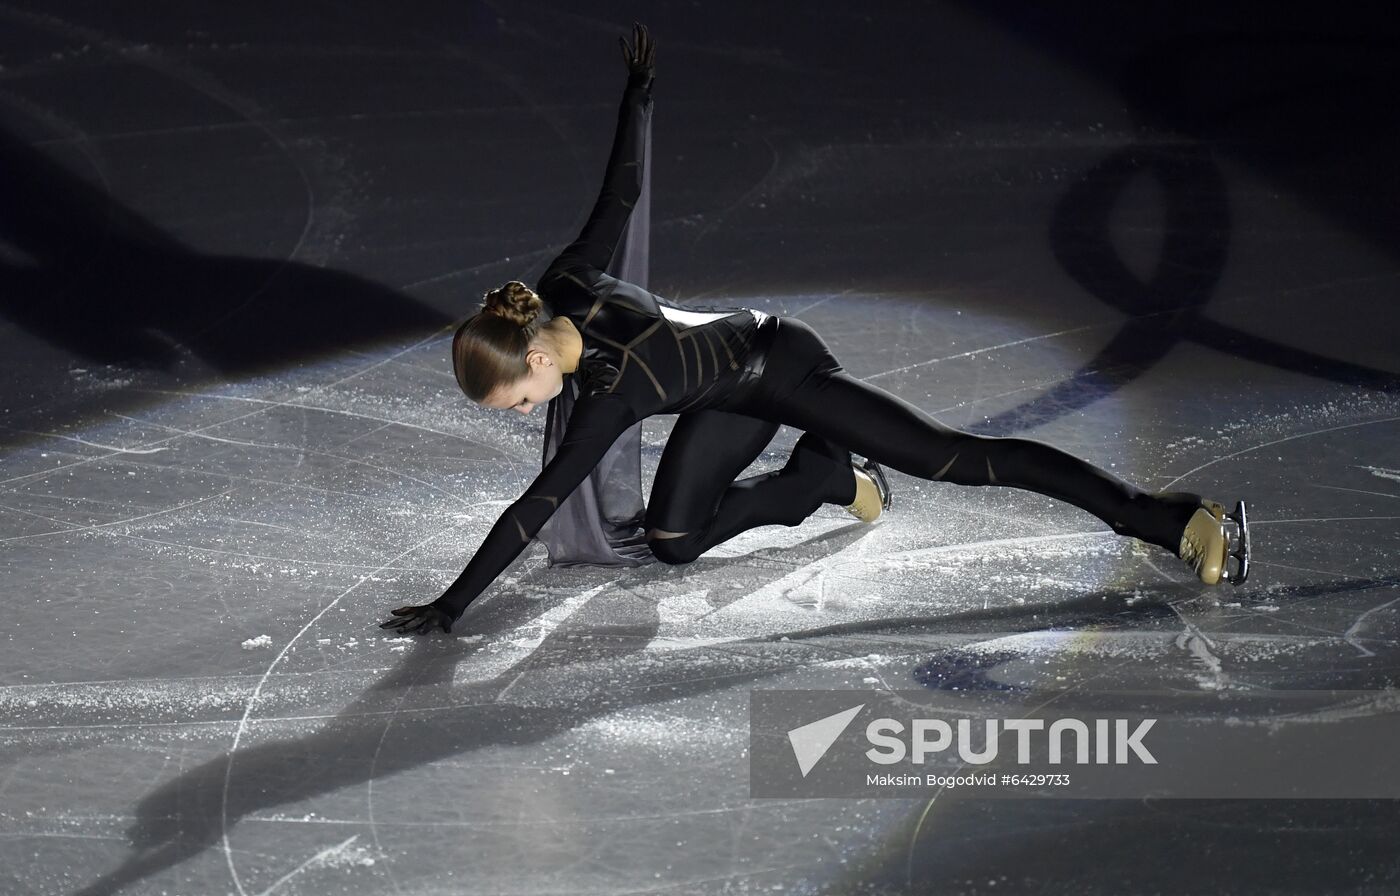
{"type": "Point", "coordinates": [641, 355]}
{"type": "Point", "coordinates": [733, 377]}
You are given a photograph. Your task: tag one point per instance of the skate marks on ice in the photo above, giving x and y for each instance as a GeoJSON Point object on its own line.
{"type": "Point", "coordinates": [583, 669]}
{"type": "Point", "coordinates": [703, 631]}
{"type": "Point", "coordinates": [1168, 308]}
{"type": "Point", "coordinates": [604, 666]}
{"type": "Point", "coordinates": [1325, 525]}
{"type": "Point", "coordinates": [118, 293]}
{"type": "Point", "coordinates": [1190, 647]}
{"type": "Point", "coordinates": [1384, 474]}
{"type": "Point", "coordinates": [602, 679]}
{"type": "Point", "coordinates": [612, 696]}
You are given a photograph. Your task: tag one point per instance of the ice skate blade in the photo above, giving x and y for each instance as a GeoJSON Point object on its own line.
{"type": "Point", "coordinates": [1240, 516]}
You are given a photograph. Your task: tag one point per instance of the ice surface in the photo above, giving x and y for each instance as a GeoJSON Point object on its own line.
{"type": "Point", "coordinates": [1019, 222]}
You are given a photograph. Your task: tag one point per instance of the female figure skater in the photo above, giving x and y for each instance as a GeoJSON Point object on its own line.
{"type": "Point", "coordinates": [733, 378]}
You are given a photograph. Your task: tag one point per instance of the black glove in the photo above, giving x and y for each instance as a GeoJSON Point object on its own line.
{"type": "Point", "coordinates": [418, 620]}
{"type": "Point", "coordinates": [641, 58]}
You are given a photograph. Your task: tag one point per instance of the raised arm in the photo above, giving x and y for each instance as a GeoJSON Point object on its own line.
{"type": "Point", "coordinates": [594, 425]}
{"type": "Point", "coordinates": [622, 180]}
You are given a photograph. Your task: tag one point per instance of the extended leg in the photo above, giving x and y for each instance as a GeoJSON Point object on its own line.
{"type": "Point", "coordinates": [803, 385]}
{"type": "Point", "coordinates": [870, 421]}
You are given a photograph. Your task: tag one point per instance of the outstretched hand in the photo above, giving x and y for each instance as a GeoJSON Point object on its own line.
{"type": "Point", "coordinates": [419, 620]}
{"type": "Point", "coordinates": [640, 58]}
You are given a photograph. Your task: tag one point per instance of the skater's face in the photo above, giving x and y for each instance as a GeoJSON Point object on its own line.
{"type": "Point", "coordinates": [543, 383]}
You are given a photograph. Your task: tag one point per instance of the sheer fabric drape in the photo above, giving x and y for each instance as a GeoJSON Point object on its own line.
{"type": "Point", "coordinates": [600, 524]}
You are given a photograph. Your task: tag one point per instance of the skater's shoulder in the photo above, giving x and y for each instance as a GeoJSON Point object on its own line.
{"type": "Point", "coordinates": [571, 291]}
{"type": "Point", "coordinates": [568, 274]}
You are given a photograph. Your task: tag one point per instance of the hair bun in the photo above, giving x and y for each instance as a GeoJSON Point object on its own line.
{"type": "Point", "coordinates": [515, 302]}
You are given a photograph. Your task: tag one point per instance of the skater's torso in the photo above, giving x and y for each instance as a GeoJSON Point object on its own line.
{"type": "Point", "coordinates": [641, 354]}
{"type": "Point", "coordinates": [659, 357]}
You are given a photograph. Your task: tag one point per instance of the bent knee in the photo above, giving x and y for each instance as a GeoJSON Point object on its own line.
{"type": "Point", "coordinates": [671, 548]}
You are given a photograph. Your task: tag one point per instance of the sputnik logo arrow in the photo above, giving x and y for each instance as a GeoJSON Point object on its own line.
{"type": "Point", "coordinates": [811, 741]}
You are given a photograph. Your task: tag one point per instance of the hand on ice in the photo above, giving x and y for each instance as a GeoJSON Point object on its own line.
{"type": "Point", "coordinates": [418, 620]}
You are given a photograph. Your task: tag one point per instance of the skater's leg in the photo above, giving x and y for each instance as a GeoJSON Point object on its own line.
{"type": "Point", "coordinates": [696, 502]}
{"type": "Point", "coordinates": [821, 397]}
{"type": "Point", "coordinates": [888, 429]}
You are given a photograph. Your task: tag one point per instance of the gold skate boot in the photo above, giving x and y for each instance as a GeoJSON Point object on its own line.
{"type": "Point", "coordinates": [872, 492]}
{"type": "Point", "coordinates": [1205, 544]}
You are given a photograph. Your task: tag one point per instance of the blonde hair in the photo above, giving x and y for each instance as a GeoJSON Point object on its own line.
{"type": "Point", "coordinates": [489, 348]}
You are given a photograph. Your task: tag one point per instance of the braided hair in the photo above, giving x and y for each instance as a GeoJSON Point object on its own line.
{"type": "Point", "coordinates": [489, 348]}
